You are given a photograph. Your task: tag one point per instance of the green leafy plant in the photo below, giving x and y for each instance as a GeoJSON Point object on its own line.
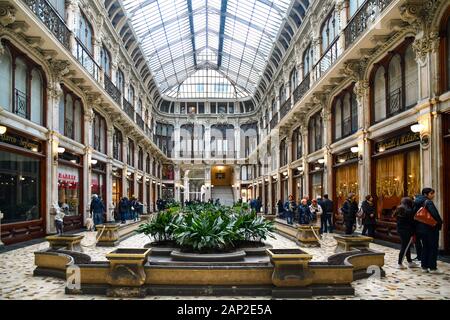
{"type": "Point", "coordinates": [160, 227]}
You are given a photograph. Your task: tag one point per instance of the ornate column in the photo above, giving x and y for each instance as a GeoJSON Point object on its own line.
{"type": "Point", "coordinates": [237, 141]}
{"type": "Point", "coordinates": [73, 14]}
{"type": "Point", "coordinates": [87, 170]}
{"type": "Point", "coordinates": [52, 178]}
{"type": "Point", "coordinates": [177, 182]}
{"type": "Point", "coordinates": [342, 14]}
{"type": "Point", "coordinates": [125, 167]}
{"type": "Point", "coordinates": [328, 157]}
{"type": "Point", "coordinates": [305, 150]}
{"type": "Point", "coordinates": [207, 140]}
{"type": "Point", "coordinates": [208, 183]}
{"type": "Point", "coordinates": [289, 161]}
{"type": "Point", "coordinates": [150, 194]}
{"type": "Point", "coordinates": [109, 187]}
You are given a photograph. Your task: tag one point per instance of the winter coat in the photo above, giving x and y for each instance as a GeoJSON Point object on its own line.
{"type": "Point", "coordinates": [405, 219]}
{"type": "Point", "coordinates": [124, 206]}
{"type": "Point", "coordinates": [97, 206]}
{"type": "Point", "coordinates": [316, 213]}
{"type": "Point", "coordinates": [290, 206]}
{"type": "Point", "coordinates": [349, 209]}
{"type": "Point", "coordinates": [327, 206]}
{"type": "Point", "coordinates": [368, 210]}
{"type": "Point", "coordinates": [304, 214]}
{"type": "Point", "coordinates": [419, 202]}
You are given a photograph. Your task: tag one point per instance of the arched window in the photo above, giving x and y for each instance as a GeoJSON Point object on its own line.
{"type": "Point", "coordinates": [222, 141]}
{"type": "Point", "coordinates": [282, 94]}
{"type": "Point", "coordinates": [130, 153]}
{"type": "Point", "coordinates": [394, 82]}
{"type": "Point", "coordinates": [315, 132]}
{"type": "Point", "coordinates": [379, 95]}
{"type": "Point", "coordinates": [140, 159]}
{"type": "Point", "coordinates": [308, 60]}
{"type": "Point", "coordinates": [99, 133]}
{"type": "Point", "coordinates": [85, 33]}
{"type": "Point", "coordinates": [338, 119]}
{"type": "Point", "coordinates": [330, 30]}
{"type": "Point", "coordinates": [293, 81]}
{"type": "Point", "coordinates": [131, 95]}
{"type": "Point", "coordinates": [283, 153]}
{"type": "Point", "coordinates": [395, 85]}
{"type": "Point", "coordinates": [117, 144]}
{"type": "Point", "coordinates": [274, 107]}
{"type": "Point", "coordinates": [354, 6]}
{"type": "Point", "coordinates": [297, 144]}
{"type": "Point", "coordinates": [20, 92]}
{"type": "Point", "coordinates": [70, 116]}
{"type": "Point", "coordinates": [37, 103]}
{"type": "Point", "coordinates": [139, 107]}
{"type": "Point", "coordinates": [249, 136]}
{"type": "Point", "coordinates": [411, 78]}
{"type": "Point", "coordinates": [6, 80]}
{"type": "Point", "coordinates": [105, 61]}
{"type": "Point", "coordinates": [120, 81]}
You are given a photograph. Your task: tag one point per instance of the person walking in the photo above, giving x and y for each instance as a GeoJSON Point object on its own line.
{"type": "Point", "coordinates": [349, 209]}
{"type": "Point", "coordinates": [429, 233]}
{"type": "Point", "coordinates": [280, 209]}
{"type": "Point", "coordinates": [316, 213]}
{"type": "Point", "coordinates": [369, 216]}
{"type": "Point", "coordinates": [289, 208]}
{"type": "Point", "coordinates": [97, 209]}
{"type": "Point", "coordinates": [327, 207]}
{"type": "Point", "coordinates": [258, 205]}
{"type": "Point", "coordinates": [133, 208]}
{"type": "Point", "coordinates": [124, 209]}
{"type": "Point", "coordinates": [405, 228]}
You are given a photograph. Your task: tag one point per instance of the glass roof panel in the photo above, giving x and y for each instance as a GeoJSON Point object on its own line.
{"type": "Point", "coordinates": [204, 43]}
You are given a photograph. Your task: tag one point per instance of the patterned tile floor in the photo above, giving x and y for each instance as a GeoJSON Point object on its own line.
{"type": "Point", "coordinates": [17, 282]}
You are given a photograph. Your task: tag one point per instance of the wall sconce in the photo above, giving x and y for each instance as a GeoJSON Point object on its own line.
{"type": "Point", "coordinates": [354, 149]}
{"type": "Point", "coordinates": [3, 129]}
{"type": "Point", "coordinates": [285, 173]}
{"type": "Point", "coordinates": [94, 161]}
{"type": "Point", "coordinates": [321, 161]}
{"type": "Point", "coordinates": [417, 128]}
{"type": "Point", "coordinates": [300, 168]}
{"type": "Point", "coordinates": [60, 150]}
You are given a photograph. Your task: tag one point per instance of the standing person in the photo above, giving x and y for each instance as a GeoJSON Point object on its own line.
{"type": "Point", "coordinates": [349, 209]}
{"type": "Point", "coordinates": [316, 213]}
{"type": "Point", "coordinates": [289, 208]}
{"type": "Point", "coordinates": [133, 208]}
{"type": "Point", "coordinates": [280, 209]}
{"type": "Point", "coordinates": [369, 216]}
{"type": "Point", "coordinates": [308, 201]}
{"type": "Point", "coordinates": [304, 212]}
{"type": "Point", "coordinates": [327, 207]}
{"type": "Point", "coordinates": [123, 209]}
{"type": "Point", "coordinates": [405, 228]}
{"type": "Point", "coordinates": [417, 240]}
{"type": "Point", "coordinates": [59, 220]}
{"type": "Point", "coordinates": [429, 234]}
{"type": "Point", "coordinates": [97, 209]}
{"type": "Point", "coordinates": [258, 205]}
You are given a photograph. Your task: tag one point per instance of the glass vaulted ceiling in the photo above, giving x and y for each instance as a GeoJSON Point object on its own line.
{"type": "Point", "coordinates": [230, 39]}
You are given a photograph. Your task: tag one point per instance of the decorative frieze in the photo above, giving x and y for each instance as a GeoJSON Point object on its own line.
{"type": "Point", "coordinates": [7, 13]}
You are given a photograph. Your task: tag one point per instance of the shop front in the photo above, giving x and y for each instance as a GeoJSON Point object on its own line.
{"type": "Point", "coordinates": [284, 186]}
{"type": "Point", "coordinates": [98, 179]}
{"type": "Point", "coordinates": [22, 187]}
{"type": "Point", "coordinates": [316, 170]}
{"type": "Point", "coordinates": [116, 187]}
{"type": "Point", "coordinates": [345, 181]}
{"type": "Point", "coordinates": [140, 184]}
{"type": "Point", "coordinates": [168, 192]}
{"type": "Point", "coordinates": [70, 190]}
{"type": "Point", "coordinates": [396, 172]}
{"type": "Point", "coordinates": [130, 185]}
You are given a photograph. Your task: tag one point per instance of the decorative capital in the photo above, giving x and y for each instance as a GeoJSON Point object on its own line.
{"type": "Point", "coordinates": [361, 89]}
{"type": "Point", "coordinates": [7, 13]}
{"type": "Point", "coordinates": [354, 69]}
{"type": "Point", "coordinates": [424, 45]}
{"type": "Point", "coordinates": [59, 68]}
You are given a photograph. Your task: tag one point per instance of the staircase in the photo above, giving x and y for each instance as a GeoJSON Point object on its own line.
{"type": "Point", "coordinates": [224, 194]}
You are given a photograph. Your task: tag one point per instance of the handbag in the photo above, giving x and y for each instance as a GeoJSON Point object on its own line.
{"type": "Point", "coordinates": [424, 216]}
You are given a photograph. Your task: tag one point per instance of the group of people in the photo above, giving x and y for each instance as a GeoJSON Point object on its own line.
{"type": "Point", "coordinates": [316, 211]}
{"type": "Point", "coordinates": [129, 209]}
{"type": "Point", "coordinates": [256, 204]}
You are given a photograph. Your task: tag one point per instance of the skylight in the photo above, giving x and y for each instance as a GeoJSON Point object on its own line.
{"type": "Point", "coordinates": [233, 38]}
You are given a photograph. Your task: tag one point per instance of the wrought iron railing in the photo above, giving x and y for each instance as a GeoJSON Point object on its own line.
{"type": "Point", "coordinates": [112, 90]}
{"type": "Point", "coordinates": [327, 60]}
{"type": "Point", "coordinates": [84, 57]}
{"type": "Point", "coordinates": [140, 122]}
{"type": "Point", "coordinates": [97, 144]}
{"type": "Point", "coordinates": [347, 127]}
{"type": "Point", "coordinates": [395, 104]}
{"type": "Point", "coordinates": [302, 88]}
{"type": "Point", "coordinates": [274, 121]}
{"type": "Point", "coordinates": [285, 108]}
{"type": "Point", "coordinates": [363, 18]}
{"type": "Point", "coordinates": [68, 128]}
{"type": "Point", "coordinates": [51, 19]}
{"type": "Point", "coordinates": [128, 108]}
{"type": "Point", "coordinates": [21, 103]}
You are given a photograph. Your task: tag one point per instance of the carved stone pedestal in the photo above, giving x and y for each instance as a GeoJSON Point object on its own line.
{"type": "Point", "coordinates": [126, 267]}
{"type": "Point", "coordinates": [68, 241]}
{"type": "Point", "coordinates": [108, 234]}
{"type": "Point", "coordinates": [306, 237]}
{"type": "Point", "coordinates": [291, 267]}
{"type": "Point", "coordinates": [348, 242]}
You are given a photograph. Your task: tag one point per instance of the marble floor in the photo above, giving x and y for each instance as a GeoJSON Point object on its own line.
{"type": "Point", "coordinates": [17, 281]}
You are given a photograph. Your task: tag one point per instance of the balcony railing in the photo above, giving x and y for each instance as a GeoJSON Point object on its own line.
{"type": "Point", "coordinates": [285, 108]}
{"type": "Point", "coordinates": [363, 18]}
{"type": "Point", "coordinates": [302, 88]}
{"type": "Point", "coordinates": [112, 90]}
{"type": "Point", "coordinates": [51, 19]}
{"type": "Point", "coordinates": [82, 54]}
{"type": "Point", "coordinates": [327, 60]}
{"type": "Point", "coordinates": [274, 121]}
{"type": "Point", "coordinates": [140, 122]}
{"type": "Point", "coordinates": [128, 108]}
{"type": "Point", "coordinates": [20, 103]}
{"type": "Point", "coordinates": [395, 104]}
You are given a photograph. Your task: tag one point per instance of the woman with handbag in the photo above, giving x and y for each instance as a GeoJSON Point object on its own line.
{"type": "Point", "coordinates": [429, 223]}
{"type": "Point", "coordinates": [369, 216]}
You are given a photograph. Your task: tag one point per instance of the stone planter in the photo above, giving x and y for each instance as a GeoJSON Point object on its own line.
{"type": "Point", "coordinates": [349, 242]}
{"type": "Point", "coordinates": [126, 267]}
{"type": "Point", "coordinates": [306, 236]}
{"type": "Point", "coordinates": [108, 234]}
{"type": "Point", "coordinates": [291, 267]}
{"type": "Point", "coordinates": [71, 242]}
{"type": "Point", "coordinates": [204, 257]}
